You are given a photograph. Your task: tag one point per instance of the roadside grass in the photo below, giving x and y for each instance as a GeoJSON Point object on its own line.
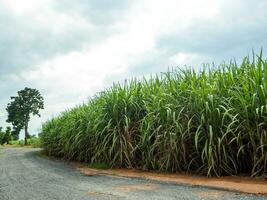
{"type": "Point", "coordinates": [211, 122]}
{"type": "Point", "coordinates": [32, 142]}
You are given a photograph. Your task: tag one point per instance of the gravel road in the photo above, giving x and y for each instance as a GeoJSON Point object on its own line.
{"type": "Point", "coordinates": [24, 175]}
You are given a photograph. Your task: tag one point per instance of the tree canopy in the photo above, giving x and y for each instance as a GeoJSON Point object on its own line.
{"type": "Point", "coordinates": [28, 102]}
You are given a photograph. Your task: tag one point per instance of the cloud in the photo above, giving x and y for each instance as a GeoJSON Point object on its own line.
{"type": "Point", "coordinates": [71, 50]}
{"type": "Point", "coordinates": [230, 32]}
{"type": "Point", "coordinates": [99, 12]}
{"type": "Point", "coordinates": [35, 32]}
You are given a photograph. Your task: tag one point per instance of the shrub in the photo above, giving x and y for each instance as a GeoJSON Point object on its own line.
{"type": "Point", "coordinates": [32, 142]}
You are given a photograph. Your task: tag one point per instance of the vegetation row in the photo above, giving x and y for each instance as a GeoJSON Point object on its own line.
{"type": "Point", "coordinates": [211, 122]}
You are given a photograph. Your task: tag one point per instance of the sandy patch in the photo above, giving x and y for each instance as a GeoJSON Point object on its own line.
{"type": "Point", "coordinates": [99, 194]}
{"type": "Point", "coordinates": [133, 188]}
{"type": "Point", "coordinates": [238, 184]}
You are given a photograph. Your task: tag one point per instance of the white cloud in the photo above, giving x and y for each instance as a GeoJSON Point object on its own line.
{"type": "Point", "coordinates": [21, 7]}
{"type": "Point", "coordinates": [189, 59]}
{"type": "Point", "coordinates": [130, 43]}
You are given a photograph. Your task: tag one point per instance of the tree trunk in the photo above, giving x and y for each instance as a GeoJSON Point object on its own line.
{"type": "Point", "coordinates": [26, 134]}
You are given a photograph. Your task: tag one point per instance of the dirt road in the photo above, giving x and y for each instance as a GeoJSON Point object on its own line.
{"type": "Point", "coordinates": [24, 175]}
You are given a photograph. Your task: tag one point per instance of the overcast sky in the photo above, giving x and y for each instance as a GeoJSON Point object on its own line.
{"type": "Point", "coordinates": [69, 50]}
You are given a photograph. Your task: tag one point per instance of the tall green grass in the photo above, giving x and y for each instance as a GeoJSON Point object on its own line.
{"type": "Point", "coordinates": [211, 122]}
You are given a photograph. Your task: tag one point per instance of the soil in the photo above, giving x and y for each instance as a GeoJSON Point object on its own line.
{"type": "Point", "coordinates": [239, 184]}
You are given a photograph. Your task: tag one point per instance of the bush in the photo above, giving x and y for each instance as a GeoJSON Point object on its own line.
{"type": "Point", "coordinates": [212, 122]}
{"type": "Point", "coordinates": [32, 142]}
{"type": "Point", "coordinates": [5, 137]}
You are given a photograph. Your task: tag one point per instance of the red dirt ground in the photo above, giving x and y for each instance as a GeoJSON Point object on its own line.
{"type": "Point", "coordinates": [239, 184]}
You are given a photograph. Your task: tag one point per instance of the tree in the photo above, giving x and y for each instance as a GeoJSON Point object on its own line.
{"type": "Point", "coordinates": [28, 102]}
{"type": "Point", "coordinates": [15, 133]}
{"type": "Point", "coordinates": [1, 136]}
{"type": "Point", "coordinates": [8, 136]}
{"type": "Point", "coordinates": [5, 137]}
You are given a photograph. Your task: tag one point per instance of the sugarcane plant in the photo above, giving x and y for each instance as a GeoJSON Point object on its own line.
{"type": "Point", "coordinates": [212, 122]}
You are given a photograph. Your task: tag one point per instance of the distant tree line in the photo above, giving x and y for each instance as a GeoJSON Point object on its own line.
{"type": "Point", "coordinates": [7, 135]}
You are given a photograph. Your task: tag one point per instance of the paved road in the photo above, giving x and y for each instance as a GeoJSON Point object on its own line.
{"type": "Point", "coordinates": [24, 175]}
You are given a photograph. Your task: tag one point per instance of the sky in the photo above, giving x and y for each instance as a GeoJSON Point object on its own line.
{"type": "Point", "coordinates": [70, 50]}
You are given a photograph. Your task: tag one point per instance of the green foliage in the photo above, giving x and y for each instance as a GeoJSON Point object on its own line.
{"type": "Point", "coordinates": [5, 136]}
{"type": "Point", "coordinates": [8, 135]}
{"type": "Point", "coordinates": [2, 141]}
{"type": "Point", "coordinates": [32, 142]}
{"type": "Point", "coordinates": [212, 122]}
{"type": "Point", "coordinates": [15, 133]}
{"type": "Point", "coordinates": [29, 101]}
